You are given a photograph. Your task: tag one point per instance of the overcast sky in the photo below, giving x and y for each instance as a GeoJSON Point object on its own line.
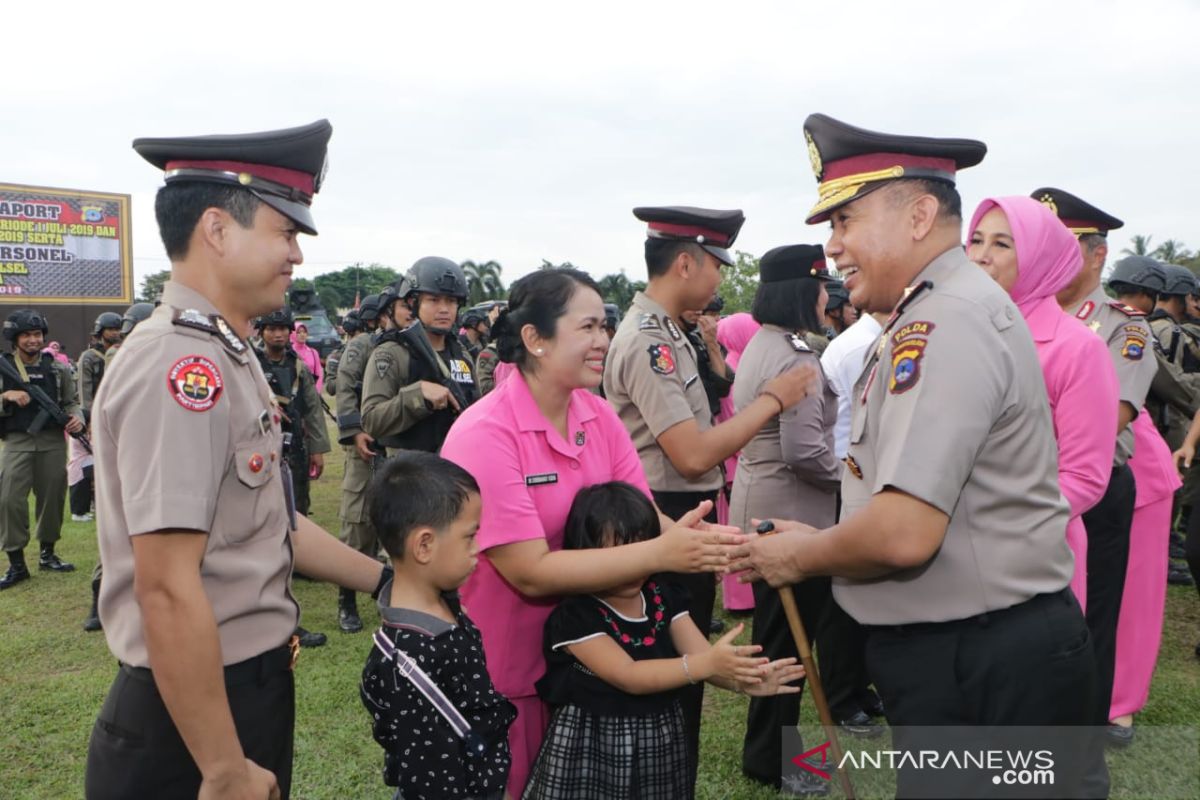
{"type": "Point", "coordinates": [518, 131]}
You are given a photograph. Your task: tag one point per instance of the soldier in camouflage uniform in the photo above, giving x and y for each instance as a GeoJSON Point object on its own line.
{"type": "Point", "coordinates": [37, 460]}
{"type": "Point", "coordinates": [405, 405]}
{"type": "Point", "coordinates": [357, 445]}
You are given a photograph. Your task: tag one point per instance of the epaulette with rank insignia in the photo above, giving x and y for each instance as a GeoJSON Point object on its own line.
{"type": "Point", "coordinates": [1128, 311]}
{"type": "Point", "coordinates": [798, 344]}
{"type": "Point", "coordinates": [213, 324]}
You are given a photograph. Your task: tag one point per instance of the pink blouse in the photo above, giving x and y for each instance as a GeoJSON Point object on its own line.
{"type": "Point", "coordinates": [528, 476]}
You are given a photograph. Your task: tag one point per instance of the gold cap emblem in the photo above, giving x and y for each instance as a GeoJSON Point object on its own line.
{"type": "Point", "coordinates": [1048, 201]}
{"type": "Point", "coordinates": [245, 178]}
{"type": "Point", "coordinates": [814, 155]}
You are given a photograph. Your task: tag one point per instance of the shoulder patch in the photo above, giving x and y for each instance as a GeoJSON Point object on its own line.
{"type": "Point", "coordinates": [662, 359]}
{"type": "Point", "coordinates": [672, 329]}
{"type": "Point", "coordinates": [382, 364]}
{"type": "Point", "coordinates": [798, 344]}
{"type": "Point", "coordinates": [195, 383]}
{"type": "Point", "coordinates": [1134, 346]}
{"type": "Point", "coordinates": [1085, 310]}
{"type": "Point", "coordinates": [648, 322]}
{"type": "Point", "coordinates": [908, 350]}
{"type": "Point", "coordinates": [1128, 311]}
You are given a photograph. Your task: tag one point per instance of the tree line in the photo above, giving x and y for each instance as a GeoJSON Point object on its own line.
{"type": "Point", "coordinates": [343, 288]}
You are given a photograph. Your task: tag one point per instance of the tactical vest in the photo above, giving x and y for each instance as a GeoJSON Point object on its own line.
{"type": "Point", "coordinates": [430, 433]}
{"type": "Point", "coordinates": [40, 374]}
{"type": "Point", "coordinates": [284, 379]}
{"type": "Point", "coordinates": [704, 367]}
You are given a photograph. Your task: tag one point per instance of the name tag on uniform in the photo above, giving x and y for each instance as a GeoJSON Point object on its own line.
{"type": "Point", "coordinates": [691, 380]}
{"type": "Point", "coordinates": [542, 479]}
{"type": "Point", "coordinates": [264, 422]}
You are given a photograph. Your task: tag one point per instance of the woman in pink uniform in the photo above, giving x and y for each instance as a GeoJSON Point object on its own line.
{"type": "Point", "coordinates": [733, 333]}
{"type": "Point", "coordinates": [1139, 628]}
{"type": "Point", "coordinates": [1032, 255]}
{"type": "Point", "coordinates": [310, 357]}
{"type": "Point", "coordinates": [532, 444]}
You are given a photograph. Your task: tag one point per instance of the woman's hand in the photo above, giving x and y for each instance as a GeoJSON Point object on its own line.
{"type": "Point", "coordinates": [733, 662]}
{"type": "Point", "coordinates": [1184, 455]}
{"type": "Point", "coordinates": [776, 678]}
{"type": "Point", "coordinates": [692, 545]}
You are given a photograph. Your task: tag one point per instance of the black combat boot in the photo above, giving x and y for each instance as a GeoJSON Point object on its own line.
{"type": "Point", "coordinates": [17, 571]}
{"type": "Point", "coordinates": [348, 619]}
{"type": "Point", "coordinates": [92, 623]}
{"type": "Point", "coordinates": [48, 560]}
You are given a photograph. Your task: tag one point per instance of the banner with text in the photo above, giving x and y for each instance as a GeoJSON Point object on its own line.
{"type": "Point", "coordinates": [64, 246]}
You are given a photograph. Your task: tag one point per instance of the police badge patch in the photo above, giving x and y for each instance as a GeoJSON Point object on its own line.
{"type": "Point", "coordinates": [662, 359]}
{"type": "Point", "coordinates": [908, 348]}
{"type": "Point", "coordinates": [382, 365]}
{"type": "Point", "coordinates": [195, 383]}
{"type": "Point", "coordinates": [1135, 343]}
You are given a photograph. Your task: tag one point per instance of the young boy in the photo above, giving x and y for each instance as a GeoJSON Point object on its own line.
{"type": "Point", "coordinates": [451, 740]}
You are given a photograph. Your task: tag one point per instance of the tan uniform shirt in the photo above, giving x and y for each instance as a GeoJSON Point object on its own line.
{"type": "Point", "coordinates": [187, 437]}
{"type": "Point", "coordinates": [652, 380]}
{"type": "Point", "coordinates": [788, 470]}
{"type": "Point", "coordinates": [952, 410]}
{"type": "Point", "coordinates": [1128, 336]}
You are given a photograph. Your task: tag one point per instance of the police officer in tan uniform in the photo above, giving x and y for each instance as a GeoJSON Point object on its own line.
{"type": "Point", "coordinates": [787, 470]}
{"type": "Point", "coordinates": [1132, 349]}
{"type": "Point", "coordinates": [406, 405]}
{"type": "Point", "coordinates": [652, 380]}
{"type": "Point", "coordinates": [358, 447]}
{"type": "Point", "coordinates": [33, 458]}
{"type": "Point", "coordinates": [951, 547]}
{"type": "Point", "coordinates": [197, 540]}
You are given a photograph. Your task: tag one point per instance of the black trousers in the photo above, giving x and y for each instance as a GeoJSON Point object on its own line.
{"type": "Point", "coordinates": [703, 590]}
{"type": "Point", "coordinates": [1031, 664]}
{"type": "Point", "coordinates": [762, 747]}
{"type": "Point", "coordinates": [1107, 524]}
{"type": "Point", "coordinates": [136, 751]}
{"type": "Point", "coordinates": [1191, 546]}
{"type": "Point", "coordinates": [298, 461]}
{"type": "Point", "coordinates": [842, 645]}
{"type": "Point", "coordinates": [81, 493]}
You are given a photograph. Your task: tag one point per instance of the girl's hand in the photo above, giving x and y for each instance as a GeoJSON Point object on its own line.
{"type": "Point", "coordinates": [1183, 456]}
{"type": "Point", "coordinates": [735, 662]}
{"type": "Point", "coordinates": [775, 679]}
{"type": "Point", "coordinates": [688, 547]}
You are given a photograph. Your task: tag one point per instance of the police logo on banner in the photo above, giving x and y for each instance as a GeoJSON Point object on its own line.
{"type": "Point", "coordinates": [195, 383]}
{"type": "Point", "coordinates": [908, 349]}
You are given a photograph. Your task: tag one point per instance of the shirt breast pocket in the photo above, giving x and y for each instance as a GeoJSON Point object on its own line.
{"type": "Point", "coordinates": [254, 464]}
{"type": "Point", "coordinates": [858, 423]}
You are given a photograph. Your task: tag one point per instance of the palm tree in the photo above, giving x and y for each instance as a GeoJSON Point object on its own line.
{"type": "Point", "coordinates": [1141, 246]}
{"type": "Point", "coordinates": [1172, 251]}
{"type": "Point", "coordinates": [483, 281]}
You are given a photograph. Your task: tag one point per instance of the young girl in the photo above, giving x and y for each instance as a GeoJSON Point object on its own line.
{"type": "Point", "coordinates": [614, 670]}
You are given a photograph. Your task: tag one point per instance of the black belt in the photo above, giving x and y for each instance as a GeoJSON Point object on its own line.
{"type": "Point", "coordinates": [983, 620]}
{"type": "Point", "coordinates": [253, 670]}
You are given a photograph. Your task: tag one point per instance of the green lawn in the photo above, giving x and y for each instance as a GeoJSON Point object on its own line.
{"type": "Point", "coordinates": [55, 677]}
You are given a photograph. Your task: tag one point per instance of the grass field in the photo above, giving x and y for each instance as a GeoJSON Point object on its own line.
{"type": "Point", "coordinates": [55, 678]}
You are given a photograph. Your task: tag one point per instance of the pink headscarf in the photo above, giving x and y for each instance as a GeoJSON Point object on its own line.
{"type": "Point", "coordinates": [734, 333]}
{"type": "Point", "coordinates": [1048, 256]}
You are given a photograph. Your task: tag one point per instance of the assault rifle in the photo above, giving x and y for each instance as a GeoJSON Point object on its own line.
{"type": "Point", "coordinates": [48, 410]}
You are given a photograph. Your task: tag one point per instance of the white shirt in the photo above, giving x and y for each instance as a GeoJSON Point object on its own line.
{"type": "Point", "coordinates": [843, 362]}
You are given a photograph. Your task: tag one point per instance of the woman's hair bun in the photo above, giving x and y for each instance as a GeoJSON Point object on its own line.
{"type": "Point", "coordinates": [507, 337]}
